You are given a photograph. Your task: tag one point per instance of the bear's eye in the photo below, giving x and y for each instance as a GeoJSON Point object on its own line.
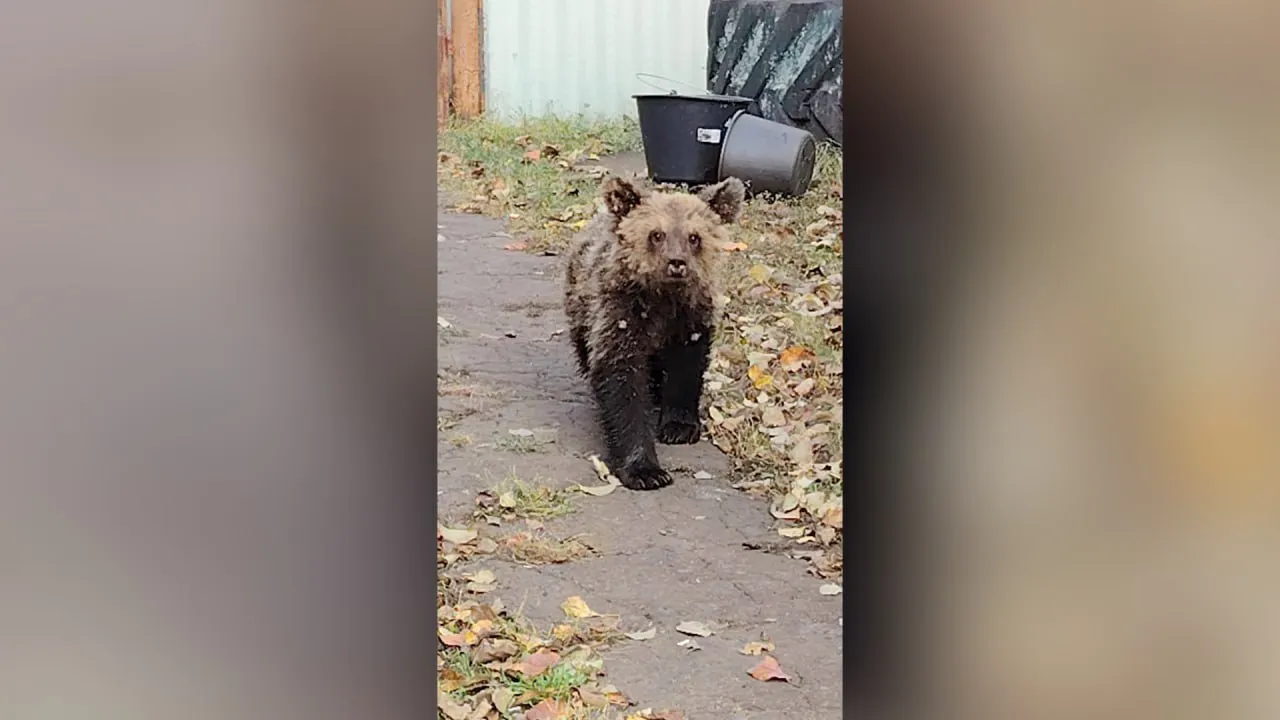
{"type": "Point", "coordinates": [695, 240]}
{"type": "Point", "coordinates": [657, 236]}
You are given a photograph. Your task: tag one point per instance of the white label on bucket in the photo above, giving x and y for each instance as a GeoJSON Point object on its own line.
{"type": "Point", "coordinates": [709, 135]}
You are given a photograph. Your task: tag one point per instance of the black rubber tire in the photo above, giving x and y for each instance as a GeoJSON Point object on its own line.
{"type": "Point", "coordinates": [787, 55]}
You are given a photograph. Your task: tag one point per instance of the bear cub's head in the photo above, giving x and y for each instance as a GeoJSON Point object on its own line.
{"type": "Point", "coordinates": [672, 237]}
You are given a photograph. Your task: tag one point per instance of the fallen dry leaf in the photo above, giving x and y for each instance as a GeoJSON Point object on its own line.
{"type": "Point", "coordinates": [767, 670]}
{"type": "Point", "coordinates": [462, 639]}
{"type": "Point", "coordinates": [825, 535]}
{"type": "Point", "coordinates": [516, 246]}
{"type": "Point", "coordinates": [547, 710]}
{"type": "Point", "coordinates": [759, 273]}
{"type": "Point", "coordinates": [576, 607]}
{"type": "Point", "coordinates": [793, 357]}
{"type": "Point", "coordinates": [598, 490]}
{"type": "Point", "coordinates": [495, 649]}
{"type": "Point", "coordinates": [591, 697]}
{"type": "Point", "coordinates": [834, 517]}
{"type": "Point", "coordinates": [482, 577]}
{"type": "Point", "coordinates": [604, 473]}
{"type": "Point", "coordinates": [693, 627]}
{"type": "Point", "coordinates": [537, 663]}
{"type": "Point", "coordinates": [802, 453]}
{"type": "Point", "coordinates": [482, 628]}
{"type": "Point", "coordinates": [759, 378]}
{"type": "Point", "coordinates": [643, 634]}
{"type": "Point", "coordinates": [755, 648]}
{"type": "Point", "coordinates": [532, 156]}
{"type": "Point", "coordinates": [565, 634]}
{"type": "Point", "coordinates": [450, 708]}
{"type": "Point", "coordinates": [651, 714]}
{"type": "Point", "coordinates": [734, 246]}
{"type": "Point", "coordinates": [601, 469]}
{"type": "Point", "coordinates": [502, 699]}
{"type": "Point", "coordinates": [507, 499]}
{"type": "Point", "coordinates": [816, 229]}
{"type": "Point", "coordinates": [785, 508]}
{"type": "Point", "coordinates": [483, 710]}
{"type": "Point", "coordinates": [830, 589]}
{"type": "Point", "coordinates": [456, 536]}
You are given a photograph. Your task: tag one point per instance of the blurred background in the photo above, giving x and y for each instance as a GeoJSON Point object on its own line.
{"type": "Point", "coordinates": [216, 282]}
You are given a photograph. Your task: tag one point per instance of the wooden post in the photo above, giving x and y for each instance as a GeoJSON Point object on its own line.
{"type": "Point", "coordinates": [468, 58]}
{"type": "Point", "coordinates": [444, 56]}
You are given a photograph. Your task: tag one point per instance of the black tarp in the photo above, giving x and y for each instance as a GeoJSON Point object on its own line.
{"type": "Point", "coordinates": [787, 55]}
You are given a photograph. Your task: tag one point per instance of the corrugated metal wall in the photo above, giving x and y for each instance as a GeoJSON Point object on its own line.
{"type": "Point", "coordinates": [563, 57]}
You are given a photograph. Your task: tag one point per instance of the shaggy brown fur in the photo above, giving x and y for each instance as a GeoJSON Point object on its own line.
{"type": "Point", "coordinates": [639, 287]}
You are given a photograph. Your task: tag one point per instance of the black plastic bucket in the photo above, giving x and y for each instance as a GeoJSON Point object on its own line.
{"type": "Point", "coordinates": [768, 156]}
{"type": "Point", "coordinates": [682, 134]}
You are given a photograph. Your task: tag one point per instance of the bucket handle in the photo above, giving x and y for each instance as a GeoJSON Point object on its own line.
{"type": "Point", "coordinates": [667, 90]}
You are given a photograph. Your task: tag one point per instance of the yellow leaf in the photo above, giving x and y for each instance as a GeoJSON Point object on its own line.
{"type": "Point", "coordinates": [576, 607]}
{"type": "Point", "coordinates": [602, 470]}
{"type": "Point", "coordinates": [759, 378]}
{"type": "Point", "coordinates": [734, 246]}
{"type": "Point", "coordinates": [482, 628]}
{"type": "Point", "coordinates": [760, 273]}
{"type": "Point", "coordinates": [466, 638]}
{"type": "Point", "coordinates": [756, 648]}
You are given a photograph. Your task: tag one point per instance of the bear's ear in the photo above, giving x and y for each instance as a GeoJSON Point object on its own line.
{"type": "Point", "coordinates": [725, 198]}
{"type": "Point", "coordinates": [620, 197]}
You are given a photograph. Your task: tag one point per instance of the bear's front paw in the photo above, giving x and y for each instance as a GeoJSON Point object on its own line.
{"type": "Point", "coordinates": [644, 476]}
{"type": "Point", "coordinates": [679, 430]}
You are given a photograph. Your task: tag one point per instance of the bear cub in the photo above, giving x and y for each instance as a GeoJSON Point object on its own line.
{"type": "Point", "coordinates": [640, 280]}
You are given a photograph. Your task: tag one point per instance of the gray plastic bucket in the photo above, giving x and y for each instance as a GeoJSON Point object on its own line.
{"type": "Point", "coordinates": [768, 156]}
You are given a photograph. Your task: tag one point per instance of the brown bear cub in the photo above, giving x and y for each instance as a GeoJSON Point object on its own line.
{"type": "Point", "coordinates": [639, 288]}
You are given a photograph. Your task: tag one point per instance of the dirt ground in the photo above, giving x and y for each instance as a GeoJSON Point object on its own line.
{"type": "Point", "coordinates": [664, 557]}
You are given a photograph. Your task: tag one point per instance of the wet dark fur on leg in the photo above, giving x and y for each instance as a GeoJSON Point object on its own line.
{"type": "Point", "coordinates": [639, 289]}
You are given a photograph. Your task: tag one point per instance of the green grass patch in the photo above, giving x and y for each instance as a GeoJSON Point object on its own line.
{"type": "Point", "coordinates": [537, 173]}
{"type": "Point", "coordinates": [514, 497]}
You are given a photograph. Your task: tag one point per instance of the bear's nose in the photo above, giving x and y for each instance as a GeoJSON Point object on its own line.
{"type": "Point", "coordinates": [677, 268]}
